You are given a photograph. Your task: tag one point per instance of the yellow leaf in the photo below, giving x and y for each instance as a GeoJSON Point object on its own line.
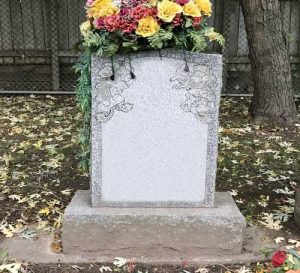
{"type": "Point", "coordinates": [7, 232]}
{"type": "Point", "coordinates": [67, 191]}
{"type": "Point", "coordinates": [39, 144]}
{"type": "Point", "coordinates": [58, 220]}
{"type": "Point", "coordinates": [7, 158]}
{"type": "Point", "coordinates": [45, 211]}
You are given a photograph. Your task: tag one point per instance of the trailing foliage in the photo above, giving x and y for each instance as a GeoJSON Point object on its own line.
{"type": "Point", "coordinates": [83, 95]}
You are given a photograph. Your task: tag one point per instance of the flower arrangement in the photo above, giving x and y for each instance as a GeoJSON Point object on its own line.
{"type": "Point", "coordinates": [286, 262]}
{"type": "Point", "coordinates": [124, 26]}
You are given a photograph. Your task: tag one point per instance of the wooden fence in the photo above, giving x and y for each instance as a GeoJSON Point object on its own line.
{"type": "Point", "coordinates": [38, 38]}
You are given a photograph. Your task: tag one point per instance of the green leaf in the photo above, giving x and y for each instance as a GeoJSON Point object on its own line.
{"type": "Point", "coordinates": [111, 50]}
{"type": "Point", "coordinates": [130, 45]}
{"type": "Point", "coordinates": [198, 40]}
{"type": "Point", "coordinates": [160, 39]}
{"type": "Point", "coordinates": [188, 22]}
{"type": "Point", "coordinates": [180, 40]}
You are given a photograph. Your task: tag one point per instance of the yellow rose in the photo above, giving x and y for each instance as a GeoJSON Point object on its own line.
{"type": "Point", "coordinates": [95, 6]}
{"type": "Point", "coordinates": [204, 6]}
{"type": "Point", "coordinates": [147, 27]}
{"type": "Point", "coordinates": [191, 9]}
{"type": "Point", "coordinates": [167, 10]}
{"type": "Point", "coordinates": [100, 2]}
{"type": "Point", "coordinates": [85, 27]}
{"type": "Point", "coordinates": [212, 36]}
{"type": "Point", "coordinates": [103, 8]}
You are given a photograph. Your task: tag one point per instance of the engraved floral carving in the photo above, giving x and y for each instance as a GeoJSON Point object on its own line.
{"type": "Point", "coordinates": [199, 83]}
{"type": "Point", "coordinates": [109, 96]}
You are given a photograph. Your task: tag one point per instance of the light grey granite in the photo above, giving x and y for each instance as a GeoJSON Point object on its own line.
{"type": "Point", "coordinates": [154, 138]}
{"type": "Point", "coordinates": [153, 233]}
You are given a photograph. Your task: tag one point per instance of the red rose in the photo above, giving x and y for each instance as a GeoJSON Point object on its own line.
{"type": "Point", "coordinates": [111, 22]}
{"type": "Point", "coordinates": [142, 11]}
{"type": "Point", "coordinates": [177, 21]}
{"type": "Point", "coordinates": [99, 23]}
{"type": "Point", "coordinates": [197, 21]}
{"type": "Point", "coordinates": [182, 2]}
{"type": "Point", "coordinates": [279, 258]}
{"type": "Point", "coordinates": [124, 11]}
{"type": "Point", "coordinates": [127, 26]}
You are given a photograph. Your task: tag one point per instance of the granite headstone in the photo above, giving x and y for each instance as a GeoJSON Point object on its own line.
{"type": "Point", "coordinates": [153, 162]}
{"type": "Point", "coordinates": [154, 137]}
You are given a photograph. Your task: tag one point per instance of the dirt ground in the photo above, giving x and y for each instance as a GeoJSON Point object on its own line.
{"type": "Point", "coordinates": [93, 268]}
{"type": "Point", "coordinates": [258, 163]}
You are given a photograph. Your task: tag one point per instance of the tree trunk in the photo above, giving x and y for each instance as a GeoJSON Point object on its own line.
{"type": "Point", "coordinates": [269, 57]}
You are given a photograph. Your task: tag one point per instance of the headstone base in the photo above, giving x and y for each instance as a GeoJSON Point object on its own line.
{"type": "Point", "coordinates": [153, 232]}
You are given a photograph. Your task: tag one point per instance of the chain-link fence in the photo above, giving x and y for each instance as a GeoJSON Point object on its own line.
{"type": "Point", "coordinates": [237, 66]}
{"type": "Point", "coordinates": [37, 44]}
{"type": "Point", "coordinates": [38, 41]}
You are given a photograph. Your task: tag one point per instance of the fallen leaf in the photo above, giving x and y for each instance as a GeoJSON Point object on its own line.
{"type": "Point", "coordinates": [279, 240]}
{"type": "Point", "coordinates": [56, 247]}
{"type": "Point", "coordinates": [12, 267]}
{"type": "Point", "coordinates": [270, 222]}
{"type": "Point", "coordinates": [202, 270]}
{"type": "Point", "coordinates": [243, 269]}
{"type": "Point", "coordinates": [45, 211]}
{"type": "Point", "coordinates": [104, 268]}
{"type": "Point", "coordinates": [119, 261]}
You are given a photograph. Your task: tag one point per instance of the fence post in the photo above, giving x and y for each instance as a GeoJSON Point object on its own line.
{"type": "Point", "coordinates": [54, 45]}
{"type": "Point", "coordinates": [226, 24]}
